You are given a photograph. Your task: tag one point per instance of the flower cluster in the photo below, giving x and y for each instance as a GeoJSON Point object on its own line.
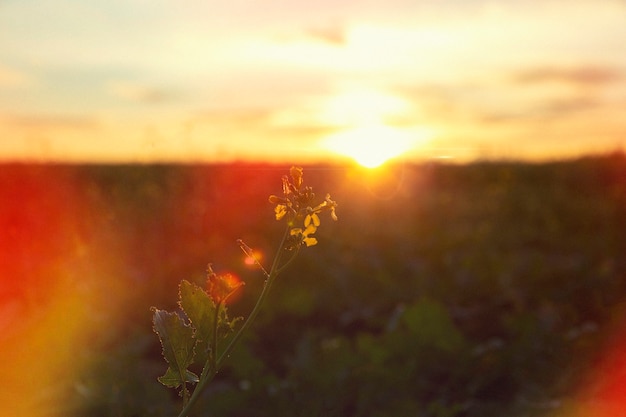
{"type": "Point", "coordinates": [296, 205]}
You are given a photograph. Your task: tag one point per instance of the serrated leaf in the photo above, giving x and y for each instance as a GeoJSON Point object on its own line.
{"type": "Point", "coordinates": [172, 378]}
{"type": "Point", "coordinates": [200, 310]}
{"type": "Point", "coordinates": [177, 342]}
{"type": "Point", "coordinates": [225, 324]}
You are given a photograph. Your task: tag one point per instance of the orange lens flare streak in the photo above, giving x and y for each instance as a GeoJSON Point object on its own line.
{"type": "Point", "coordinates": [43, 313]}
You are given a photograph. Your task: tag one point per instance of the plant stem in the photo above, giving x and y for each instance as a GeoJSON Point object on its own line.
{"type": "Point", "coordinates": [212, 366]}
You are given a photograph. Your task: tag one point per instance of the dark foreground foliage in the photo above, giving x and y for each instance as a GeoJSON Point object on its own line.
{"type": "Point", "coordinates": [481, 290]}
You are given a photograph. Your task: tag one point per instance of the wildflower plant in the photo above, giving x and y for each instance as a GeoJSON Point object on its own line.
{"type": "Point", "coordinates": [196, 333]}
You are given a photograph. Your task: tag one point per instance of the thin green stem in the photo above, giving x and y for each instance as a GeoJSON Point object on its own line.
{"type": "Point", "coordinates": [257, 307]}
{"type": "Point", "coordinates": [213, 353]}
{"type": "Point", "coordinates": [185, 393]}
{"type": "Point", "coordinates": [286, 264]}
{"type": "Point", "coordinates": [212, 365]}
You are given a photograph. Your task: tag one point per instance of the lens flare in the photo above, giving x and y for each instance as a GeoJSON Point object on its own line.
{"type": "Point", "coordinates": [44, 312]}
{"type": "Point", "coordinates": [253, 259]}
{"type": "Point", "coordinates": [61, 288]}
{"type": "Point", "coordinates": [603, 391]}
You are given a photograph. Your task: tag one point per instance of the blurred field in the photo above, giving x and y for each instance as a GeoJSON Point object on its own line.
{"type": "Point", "coordinates": [491, 289]}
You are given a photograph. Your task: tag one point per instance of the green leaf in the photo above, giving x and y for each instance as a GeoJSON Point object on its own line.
{"type": "Point", "coordinates": [172, 378]}
{"type": "Point", "coordinates": [200, 310]}
{"type": "Point", "coordinates": [178, 346]}
{"type": "Point", "coordinates": [225, 325]}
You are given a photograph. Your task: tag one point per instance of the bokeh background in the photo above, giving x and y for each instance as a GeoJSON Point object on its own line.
{"type": "Point", "coordinates": [488, 289]}
{"type": "Point", "coordinates": [479, 271]}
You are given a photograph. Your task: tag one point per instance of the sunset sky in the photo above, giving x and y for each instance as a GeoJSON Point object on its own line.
{"type": "Point", "coordinates": [156, 80]}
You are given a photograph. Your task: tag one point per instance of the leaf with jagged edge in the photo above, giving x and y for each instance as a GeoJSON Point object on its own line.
{"type": "Point", "coordinates": [178, 348]}
{"type": "Point", "coordinates": [172, 378]}
{"type": "Point", "coordinates": [200, 310]}
{"type": "Point", "coordinates": [226, 325]}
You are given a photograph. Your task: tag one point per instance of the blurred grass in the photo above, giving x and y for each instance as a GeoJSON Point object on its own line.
{"type": "Point", "coordinates": [487, 289]}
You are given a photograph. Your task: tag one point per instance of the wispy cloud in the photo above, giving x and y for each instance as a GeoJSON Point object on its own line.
{"type": "Point", "coordinates": [246, 133]}
{"type": "Point", "coordinates": [540, 111]}
{"type": "Point", "coordinates": [244, 117]}
{"type": "Point", "coordinates": [332, 33]}
{"type": "Point", "coordinates": [137, 92]}
{"type": "Point", "coordinates": [584, 75]}
{"type": "Point", "coordinates": [50, 121]}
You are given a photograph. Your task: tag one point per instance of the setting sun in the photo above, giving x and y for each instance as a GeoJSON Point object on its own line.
{"type": "Point", "coordinates": [371, 146]}
{"type": "Point", "coordinates": [364, 133]}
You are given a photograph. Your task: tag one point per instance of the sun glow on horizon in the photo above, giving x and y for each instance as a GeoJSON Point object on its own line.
{"type": "Point", "coordinates": [364, 133]}
{"type": "Point", "coordinates": [373, 145]}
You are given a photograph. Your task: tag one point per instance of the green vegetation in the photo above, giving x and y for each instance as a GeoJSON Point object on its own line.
{"type": "Point", "coordinates": [479, 290]}
{"type": "Point", "coordinates": [197, 336]}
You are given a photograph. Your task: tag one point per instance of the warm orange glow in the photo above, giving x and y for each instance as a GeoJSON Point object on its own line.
{"type": "Point", "coordinates": [360, 106]}
{"type": "Point", "coordinates": [603, 393]}
{"type": "Point", "coordinates": [365, 134]}
{"type": "Point", "coordinates": [228, 285]}
{"type": "Point", "coordinates": [43, 314]}
{"type": "Point", "coordinates": [60, 291]}
{"type": "Point", "coordinates": [253, 259]}
{"type": "Point", "coordinates": [373, 145]}
{"type": "Point", "coordinates": [484, 73]}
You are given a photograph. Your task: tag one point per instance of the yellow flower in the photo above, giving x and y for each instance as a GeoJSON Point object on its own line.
{"type": "Point", "coordinates": [296, 205]}
{"type": "Point", "coordinates": [312, 219]}
{"type": "Point", "coordinates": [296, 175]}
{"type": "Point", "coordinates": [332, 205]}
{"type": "Point", "coordinates": [310, 241]}
{"type": "Point", "coordinates": [304, 235]}
{"type": "Point", "coordinates": [280, 210]}
{"type": "Point", "coordinates": [327, 204]}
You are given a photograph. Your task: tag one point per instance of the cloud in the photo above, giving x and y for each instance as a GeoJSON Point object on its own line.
{"type": "Point", "coordinates": [263, 121]}
{"type": "Point", "coordinates": [310, 39]}
{"type": "Point", "coordinates": [333, 34]}
{"type": "Point", "coordinates": [571, 105]}
{"type": "Point", "coordinates": [585, 75]}
{"type": "Point", "coordinates": [530, 96]}
{"type": "Point", "coordinates": [50, 121]}
{"type": "Point", "coordinates": [241, 117]}
{"type": "Point", "coordinates": [139, 93]}
{"type": "Point", "coordinates": [252, 133]}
